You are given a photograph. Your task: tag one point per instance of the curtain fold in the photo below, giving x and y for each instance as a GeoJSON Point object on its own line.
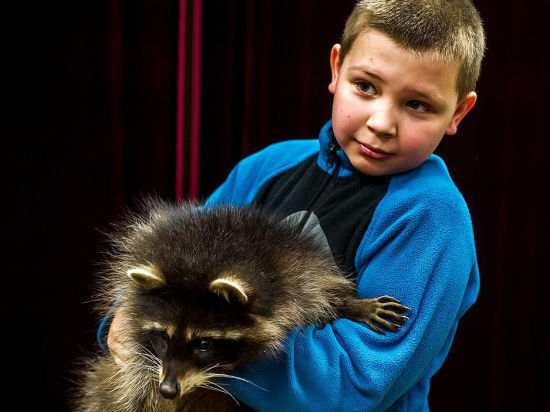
{"type": "Point", "coordinates": [188, 106]}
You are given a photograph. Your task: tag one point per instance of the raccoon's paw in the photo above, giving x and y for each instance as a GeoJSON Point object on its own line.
{"type": "Point", "coordinates": [384, 312]}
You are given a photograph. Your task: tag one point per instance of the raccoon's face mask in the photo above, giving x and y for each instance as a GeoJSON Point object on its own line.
{"type": "Point", "coordinates": [190, 351]}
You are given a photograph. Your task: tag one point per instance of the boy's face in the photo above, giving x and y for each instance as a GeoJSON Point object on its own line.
{"type": "Point", "coordinates": [391, 107]}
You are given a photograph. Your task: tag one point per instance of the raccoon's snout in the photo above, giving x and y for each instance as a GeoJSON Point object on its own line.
{"type": "Point", "coordinates": [169, 388]}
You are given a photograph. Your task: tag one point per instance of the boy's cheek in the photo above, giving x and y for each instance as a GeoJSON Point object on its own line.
{"type": "Point", "coordinates": [347, 114]}
{"type": "Point", "coordinates": [343, 126]}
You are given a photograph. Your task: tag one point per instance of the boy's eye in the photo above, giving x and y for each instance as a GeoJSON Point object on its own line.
{"type": "Point", "coordinates": [418, 106]}
{"type": "Point", "coordinates": [365, 87]}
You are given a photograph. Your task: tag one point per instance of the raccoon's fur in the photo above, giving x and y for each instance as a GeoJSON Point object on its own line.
{"type": "Point", "coordinates": [205, 289]}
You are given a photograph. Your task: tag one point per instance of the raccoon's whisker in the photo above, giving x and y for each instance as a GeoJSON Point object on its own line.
{"type": "Point", "coordinates": [133, 375]}
{"type": "Point", "coordinates": [144, 352]}
{"type": "Point", "coordinates": [152, 362]}
{"type": "Point", "coordinates": [212, 367]}
{"type": "Point", "coordinates": [224, 375]}
{"type": "Point", "coordinates": [155, 362]}
{"type": "Point", "coordinates": [217, 388]}
{"type": "Point", "coordinates": [154, 373]}
{"type": "Point", "coordinates": [115, 375]}
{"type": "Point", "coordinates": [214, 386]}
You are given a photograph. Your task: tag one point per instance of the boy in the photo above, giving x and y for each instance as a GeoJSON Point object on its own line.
{"type": "Point", "coordinates": [403, 77]}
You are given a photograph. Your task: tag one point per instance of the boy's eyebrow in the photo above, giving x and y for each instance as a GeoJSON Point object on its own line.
{"type": "Point", "coordinates": [363, 69]}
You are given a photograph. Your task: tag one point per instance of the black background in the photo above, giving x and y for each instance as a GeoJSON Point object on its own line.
{"type": "Point", "coordinates": [88, 95]}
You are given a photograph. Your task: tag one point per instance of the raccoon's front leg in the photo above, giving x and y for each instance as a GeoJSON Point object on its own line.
{"type": "Point", "coordinates": [384, 312]}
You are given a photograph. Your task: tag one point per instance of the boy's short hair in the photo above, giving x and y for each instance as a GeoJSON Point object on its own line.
{"type": "Point", "coordinates": [452, 29]}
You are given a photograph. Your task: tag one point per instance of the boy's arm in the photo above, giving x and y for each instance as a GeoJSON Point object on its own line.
{"type": "Point", "coordinates": [419, 248]}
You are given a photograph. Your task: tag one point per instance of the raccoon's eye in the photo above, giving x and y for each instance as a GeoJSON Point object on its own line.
{"type": "Point", "coordinates": [157, 341]}
{"type": "Point", "coordinates": [203, 344]}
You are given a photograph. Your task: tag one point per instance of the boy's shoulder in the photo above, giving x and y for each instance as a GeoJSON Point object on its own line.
{"type": "Point", "coordinates": [251, 173]}
{"type": "Point", "coordinates": [424, 202]}
{"type": "Point", "coordinates": [279, 156]}
{"type": "Point", "coordinates": [428, 186]}
{"type": "Point", "coordinates": [433, 173]}
{"type": "Point", "coordinates": [286, 150]}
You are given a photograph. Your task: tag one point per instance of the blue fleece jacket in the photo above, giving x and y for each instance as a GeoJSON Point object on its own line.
{"type": "Point", "coordinates": [419, 248]}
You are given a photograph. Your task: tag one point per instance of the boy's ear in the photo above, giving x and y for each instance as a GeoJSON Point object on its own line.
{"type": "Point", "coordinates": [334, 66]}
{"type": "Point", "coordinates": [461, 111]}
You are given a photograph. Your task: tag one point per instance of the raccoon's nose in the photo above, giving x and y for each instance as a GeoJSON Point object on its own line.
{"type": "Point", "coordinates": [169, 388]}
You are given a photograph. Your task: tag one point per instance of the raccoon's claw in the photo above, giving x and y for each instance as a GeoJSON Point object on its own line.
{"type": "Point", "coordinates": [385, 312]}
{"type": "Point", "coordinates": [390, 303]}
{"type": "Point", "coordinates": [375, 328]}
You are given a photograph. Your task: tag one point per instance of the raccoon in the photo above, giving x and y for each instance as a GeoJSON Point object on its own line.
{"type": "Point", "coordinates": [206, 289]}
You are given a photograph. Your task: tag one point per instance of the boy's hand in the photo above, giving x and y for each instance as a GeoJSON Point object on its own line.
{"type": "Point", "coordinates": [115, 342]}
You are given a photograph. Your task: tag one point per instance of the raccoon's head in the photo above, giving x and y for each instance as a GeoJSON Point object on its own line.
{"type": "Point", "coordinates": [210, 289]}
{"type": "Point", "coordinates": [195, 339]}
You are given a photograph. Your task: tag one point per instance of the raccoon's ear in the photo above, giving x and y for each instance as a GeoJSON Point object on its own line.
{"type": "Point", "coordinates": [230, 289]}
{"type": "Point", "coordinates": [146, 278]}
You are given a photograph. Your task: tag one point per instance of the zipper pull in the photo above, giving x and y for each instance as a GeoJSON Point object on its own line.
{"type": "Point", "coordinates": [332, 154]}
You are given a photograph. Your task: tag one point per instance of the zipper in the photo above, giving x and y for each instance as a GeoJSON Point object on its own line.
{"type": "Point", "coordinates": [331, 160]}
{"type": "Point", "coordinates": [332, 155]}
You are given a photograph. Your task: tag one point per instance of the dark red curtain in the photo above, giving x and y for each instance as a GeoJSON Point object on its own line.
{"type": "Point", "coordinates": [265, 72]}
{"type": "Point", "coordinates": [101, 110]}
{"type": "Point", "coordinates": [188, 108]}
{"type": "Point", "coordinates": [88, 128]}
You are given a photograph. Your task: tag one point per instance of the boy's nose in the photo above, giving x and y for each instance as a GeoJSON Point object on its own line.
{"type": "Point", "coordinates": [381, 120]}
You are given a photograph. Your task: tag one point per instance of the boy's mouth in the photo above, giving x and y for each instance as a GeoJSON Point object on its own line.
{"type": "Point", "coordinates": [372, 152]}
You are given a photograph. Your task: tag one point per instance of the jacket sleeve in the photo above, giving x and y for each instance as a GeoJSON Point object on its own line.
{"type": "Point", "coordinates": [418, 248]}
